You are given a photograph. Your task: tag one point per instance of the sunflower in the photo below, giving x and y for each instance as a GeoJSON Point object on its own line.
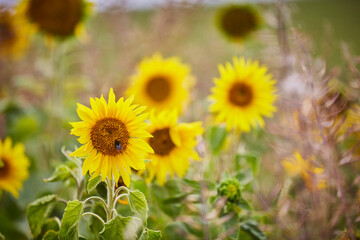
{"type": "Point", "coordinates": [14, 166]}
{"type": "Point", "coordinates": [244, 94]}
{"type": "Point", "coordinates": [312, 175]}
{"type": "Point", "coordinates": [14, 39]}
{"type": "Point", "coordinates": [237, 22]}
{"type": "Point", "coordinates": [56, 18]}
{"type": "Point", "coordinates": [161, 83]}
{"type": "Point", "coordinates": [112, 135]}
{"type": "Point", "coordinates": [173, 145]}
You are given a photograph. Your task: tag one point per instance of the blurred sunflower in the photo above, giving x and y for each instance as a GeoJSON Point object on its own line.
{"type": "Point", "coordinates": [312, 175]}
{"type": "Point", "coordinates": [236, 22]}
{"type": "Point", "coordinates": [14, 38]}
{"type": "Point", "coordinates": [173, 145]}
{"type": "Point", "coordinates": [56, 18]}
{"type": "Point", "coordinates": [13, 166]}
{"type": "Point", "coordinates": [244, 94]}
{"type": "Point", "coordinates": [161, 83]}
{"type": "Point", "coordinates": [112, 134]}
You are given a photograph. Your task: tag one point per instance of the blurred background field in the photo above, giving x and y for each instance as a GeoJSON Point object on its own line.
{"type": "Point", "coordinates": [39, 91]}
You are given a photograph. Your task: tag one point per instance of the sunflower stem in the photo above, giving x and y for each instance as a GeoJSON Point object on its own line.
{"type": "Point", "coordinates": [119, 189]}
{"type": "Point", "coordinates": [120, 196]}
{"type": "Point", "coordinates": [110, 198]}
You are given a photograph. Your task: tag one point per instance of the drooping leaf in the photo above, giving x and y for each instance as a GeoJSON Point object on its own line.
{"type": "Point", "coordinates": [2, 237]}
{"type": "Point", "coordinates": [93, 183]}
{"type": "Point", "coordinates": [38, 211]}
{"type": "Point", "coordinates": [149, 234]}
{"type": "Point", "coordinates": [251, 228]}
{"type": "Point", "coordinates": [138, 204]}
{"type": "Point", "coordinates": [51, 235]}
{"type": "Point", "coordinates": [69, 229]}
{"type": "Point", "coordinates": [217, 136]}
{"type": "Point", "coordinates": [122, 228]}
{"type": "Point", "coordinates": [61, 173]}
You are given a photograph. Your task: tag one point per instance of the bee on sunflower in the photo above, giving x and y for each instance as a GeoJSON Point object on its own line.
{"type": "Point", "coordinates": [112, 134]}
{"type": "Point", "coordinates": [237, 22]}
{"type": "Point", "coordinates": [13, 166]}
{"type": "Point", "coordinates": [161, 83]}
{"type": "Point", "coordinates": [173, 145]}
{"type": "Point", "coordinates": [14, 38]}
{"type": "Point", "coordinates": [56, 18]}
{"type": "Point", "coordinates": [243, 95]}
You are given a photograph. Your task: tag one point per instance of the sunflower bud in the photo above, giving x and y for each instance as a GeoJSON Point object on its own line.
{"type": "Point", "coordinates": [231, 190]}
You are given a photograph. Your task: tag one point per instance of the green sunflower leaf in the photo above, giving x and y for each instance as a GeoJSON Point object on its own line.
{"type": "Point", "coordinates": [149, 234]}
{"type": "Point", "coordinates": [251, 228]}
{"type": "Point", "coordinates": [69, 229]}
{"type": "Point", "coordinates": [138, 204]}
{"type": "Point", "coordinates": [122, 228]}
{"type": "Point", "coordinates": [38, 211]}
{"type": "Point", "coordinates": [217, 136]}
{"type": "Point", "coordinates": [93, 183]}
{"type": "Point", "coordinates": [61, 172]}
{"type": "Point", "coordinates": [51, 235]}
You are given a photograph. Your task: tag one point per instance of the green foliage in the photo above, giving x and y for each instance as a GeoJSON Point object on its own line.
{"type": "Point", "coordinates": [61, 172]}
{"type": "Point", "coordinates": [24, 127]}
{"type": "Point", "coordinates": [122, 228]}
{"type": "Point", "coordinates": [51, 235]}
{"type": "Point", "coordinates": [138, 204]}
{"type": "Point", "coordinates": [251, 228]}
{"type": "Point", "coordinates": [217, 136]}
{"type": "Point", "coordinates": [2, 237]}
{"type": "Point", "coordinates": [176, 231]}
{"type": "Point", "coordinates": [244, 161]}
{"type": "Point", "coordinates": [95, 225]}
{"type": "Point", "coordinates": [149, 234]}
{"type": "Point", "coordinates": [70, 221]}
{"type": "Point", "coordinates": [38, 211]}
{"type": "Point", "coordinates": [92, 183]}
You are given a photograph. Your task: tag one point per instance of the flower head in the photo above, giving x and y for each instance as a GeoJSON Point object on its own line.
{"type": "Point", "coordinates": [243, 94]}
{"type": "Point", "coordinates": [312, 175]}
{"type": "Point", "coordinates": [14, 38]}
{"type": "Point", "coordinates": [161, 83]}
{"type": "Point", "coordinates": [237, 22]}
{"type": "Point", "coordinates": [173, 145]}
{"type": "Point", "coordinates": [14, 166]}
{"type": "Point", "coordinates": [112, 134]}
{"type": "Point", "coordinates": [56, 18]}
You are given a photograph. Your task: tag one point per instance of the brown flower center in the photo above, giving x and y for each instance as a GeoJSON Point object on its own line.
{"type": "Point", "coordinates": [158, 88]}
{"type": "Point", "coordinates": [109, 136]}
{"type": "Point", "coordinates": [4, 169]}
{"type": "Point", "coordinates": [241, 94]}
{"type": "Point", "coordinates": [6, 33]}
{"type": "Point", "coordinates": [161, 142]}
{"type": "Point", "coordinates": [56, 17]}
{"type": "Point", "coordinates": [239, 21]}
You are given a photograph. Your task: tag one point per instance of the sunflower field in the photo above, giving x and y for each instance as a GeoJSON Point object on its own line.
{"type": "Point", "coordinates": [179, 119]}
